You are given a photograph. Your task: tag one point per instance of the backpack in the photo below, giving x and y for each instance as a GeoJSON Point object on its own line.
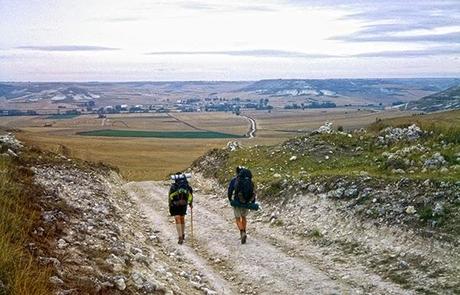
{"type": "Point", "coordinates": [244, 188]}
{"type": "Point", "coordinates": [183, 189]}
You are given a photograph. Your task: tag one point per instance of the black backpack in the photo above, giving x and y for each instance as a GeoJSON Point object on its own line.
{"type": "Point", "coordinates": [183, 189]}
{"type": "Point", "coordinates": [244, 188]}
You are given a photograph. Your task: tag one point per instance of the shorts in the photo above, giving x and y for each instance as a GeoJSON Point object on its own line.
{"type": "Point", "coordinates": [178, 210]}
{"type": "Point", "coordinates": [240, 212]}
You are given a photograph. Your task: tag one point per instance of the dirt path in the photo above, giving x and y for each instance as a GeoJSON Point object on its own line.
{"type": "Point", "coordinates": [253, 128]}
{"type": "Point", "coordinates": [268, 264]}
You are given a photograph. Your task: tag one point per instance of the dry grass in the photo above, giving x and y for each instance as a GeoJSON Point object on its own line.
{"type": "Point", "coordinates": [442, 120]}
{"type": "Point", "coordinates": [18, 269]}
{"type": "Point", "coordinates": [137, 158]}
{"type": "Point", "coordinates": [445, 124]}
{"type": "Point", "coordinates": [285, 124]}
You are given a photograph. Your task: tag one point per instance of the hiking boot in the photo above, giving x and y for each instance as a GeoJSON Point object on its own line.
{"type": "Point", "coordinates": [243, 237]}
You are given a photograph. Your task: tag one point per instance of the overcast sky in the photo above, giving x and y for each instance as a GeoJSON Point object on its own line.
{"type": "Point", "coordinates": [109, 40]}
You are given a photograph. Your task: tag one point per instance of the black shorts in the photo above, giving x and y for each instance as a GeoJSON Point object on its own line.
{"type": "Point", "coordinates": [178, 210]}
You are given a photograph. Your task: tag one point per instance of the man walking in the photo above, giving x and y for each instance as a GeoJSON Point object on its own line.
{"type": "Point", "coordinates": [241, 195]}
{"type": "Point", "coordinates": [180, 194]}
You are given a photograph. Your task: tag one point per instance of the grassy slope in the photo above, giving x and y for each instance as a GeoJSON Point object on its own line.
{"type": "Point", "coordinates": [18, 217]}
{"type": "Point", "coordinates": [329, 158]}
{"type": "Point", "coordinates": [447, 123]}
{"type": "Point", "coordinates": [311, 152]}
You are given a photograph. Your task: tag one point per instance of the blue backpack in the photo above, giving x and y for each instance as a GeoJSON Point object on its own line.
{"type": "Point", "coordinates": [244, 187]}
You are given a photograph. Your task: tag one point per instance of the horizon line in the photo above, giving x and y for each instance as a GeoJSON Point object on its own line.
{"type": "Point", "coordinates": [250, 80]}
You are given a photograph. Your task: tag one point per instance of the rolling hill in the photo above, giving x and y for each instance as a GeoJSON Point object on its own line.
{"type": "Point", "coordinates": [31, 95]}
{"type": "Point", "coordinates": [448, 99]}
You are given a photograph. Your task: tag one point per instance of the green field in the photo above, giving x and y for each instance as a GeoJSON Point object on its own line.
{"type": "Point", "coordinates": [62, 116]}
{"type": "Point", "coordinates": [158, 134]}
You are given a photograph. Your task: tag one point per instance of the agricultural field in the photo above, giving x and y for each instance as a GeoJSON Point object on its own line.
{"type": "Point", "coordinates": [62, 116]}
{"type": "Point", "coordinates": [158, 134]}
{"type": "Point", "coordinates": [284, 124]}
{"type": "Point", "coordinates": [165, 143]}
{"type": "Point", "coordinates": [139, 157]}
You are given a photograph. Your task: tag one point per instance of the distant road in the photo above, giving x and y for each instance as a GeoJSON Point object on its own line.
{"type": "Point", "coordinates": [253, 127]}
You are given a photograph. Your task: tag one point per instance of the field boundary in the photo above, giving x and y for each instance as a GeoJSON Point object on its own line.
{"type": "Point", "coordinates": [186, 123]}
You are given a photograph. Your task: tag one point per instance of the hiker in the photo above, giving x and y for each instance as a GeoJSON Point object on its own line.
{"type": "Point", "coordinates": [180, 194]}
{"type": "Point", "coordinates": [241, 194]}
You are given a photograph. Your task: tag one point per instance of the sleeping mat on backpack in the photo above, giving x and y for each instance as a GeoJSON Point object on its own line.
{"type": "Point", "coordinates": [250, 206]}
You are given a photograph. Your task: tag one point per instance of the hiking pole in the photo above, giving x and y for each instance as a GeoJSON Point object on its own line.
{"type": "Point", "coordinates": [191, 222]}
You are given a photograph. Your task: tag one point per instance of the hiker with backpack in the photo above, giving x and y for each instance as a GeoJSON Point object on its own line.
{"type": "Point", "coordinates": [242, 197]}
{"type": "Point", "coordinates": [180, 195]}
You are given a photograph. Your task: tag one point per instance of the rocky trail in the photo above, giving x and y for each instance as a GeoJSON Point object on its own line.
{"type": "Point", "coordinates": [102, 235]}
{"type": "Point", "coordinates": [272, 262]}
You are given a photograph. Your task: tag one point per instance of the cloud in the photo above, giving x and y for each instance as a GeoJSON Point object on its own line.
{"type": "Point", "coordinates": [250, 53]}
{"type": "Point", "coordinates": [436, 51]}
{"type": "Point", "coordinates": [453, 38]}
{"type": "Point", "coordinates": [389, 20]}
{"type": "Point", "coordinates": [122, 19]}
{"type": "Point", "coordinates": [224, 7]}
{"type": "Point", "coordinates": [67, 48]}
{"type": "Point", "coordinates": [194, 5]}
{"type": "Point", "coordinates": [412, 53]}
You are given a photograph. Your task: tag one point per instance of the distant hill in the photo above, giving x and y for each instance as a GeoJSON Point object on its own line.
{"type": "Point", "coordinates": [37, 91]}
{"type": "Point", "coordinates": [339, 91]}
{"type": "Point", "coordinates": [448, 99]}
{"type": "Point", "coordinates": [381, 90]}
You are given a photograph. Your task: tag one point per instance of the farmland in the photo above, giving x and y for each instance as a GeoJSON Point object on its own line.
{"type": "Point", "coordinates": [62, 116]}
{"type": "Point", "coordinates": [158, 134]}
{"type": "Point", "coordinates": [169, 142]}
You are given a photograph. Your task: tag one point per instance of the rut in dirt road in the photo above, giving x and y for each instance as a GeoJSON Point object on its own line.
{"type": "Point", "coordinates": [255, 268]}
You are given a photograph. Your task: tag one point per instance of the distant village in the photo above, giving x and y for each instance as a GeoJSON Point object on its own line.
{"type": "Point", "coordinates": [234, 105]}
{"type": "Point", "coordinates": [191, 105]}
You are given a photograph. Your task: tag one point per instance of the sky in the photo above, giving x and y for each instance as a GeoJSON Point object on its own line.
{"type": "Point", "coordinates": [141, 40]}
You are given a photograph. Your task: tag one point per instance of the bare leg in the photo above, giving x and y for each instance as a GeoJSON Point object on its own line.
{"type": "Point", "coordinates": [182, 223]}
{"type": "Point", "coordinates": [239, 223]}
{"type": "Point", "coordinates": [179, 228]}
{"type": "Point", "coordinates": [243, 223]}
{"type": "Point", "coordinates": [243, 230]}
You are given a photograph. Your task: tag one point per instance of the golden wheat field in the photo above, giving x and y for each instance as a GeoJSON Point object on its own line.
{"type": "Point", "coordinates": [155, 158]}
